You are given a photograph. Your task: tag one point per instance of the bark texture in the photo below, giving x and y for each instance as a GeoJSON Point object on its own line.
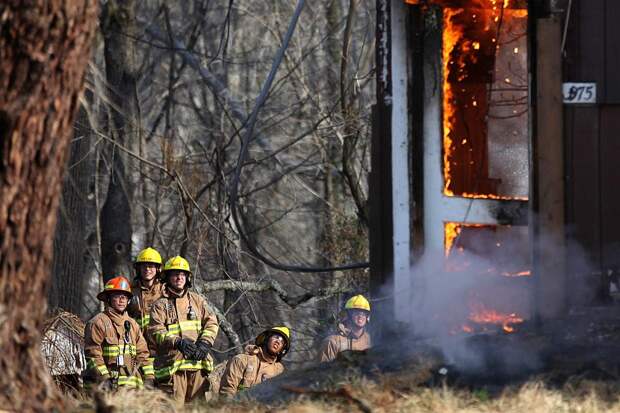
{"type": "Point", "coordinates": [72, 228]}
{"type": "Point", "coordinates": [44, 49]}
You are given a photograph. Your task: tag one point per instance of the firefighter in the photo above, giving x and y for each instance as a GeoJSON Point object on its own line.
{"type": "Point", "coordinates": [114, 347]}
{"type": "Point", "coordinates": [183, 329]}
{"type": "Point", "coordinates": [351, 333]}
{"type": "Point", "coordinates": [146, 288]}
{"type": "Point", "coordinates": [260, 361]}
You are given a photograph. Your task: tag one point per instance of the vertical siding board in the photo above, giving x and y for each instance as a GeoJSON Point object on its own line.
{"type": "Point", "coordinates": [612, 51]}
{"type": "Point", "coordinates": [583, 137]}
{"type": "Point", "coordinates": [610, 186]}
{"type": "Point", "coordinates": [590, 54]}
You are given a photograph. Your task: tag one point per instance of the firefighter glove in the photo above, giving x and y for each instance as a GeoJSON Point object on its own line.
{"type": "Point", "coordinates": [187, 347]}
{"type": "Point", "coordinates": [203, 349]}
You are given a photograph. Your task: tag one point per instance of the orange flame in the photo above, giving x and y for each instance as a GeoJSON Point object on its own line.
{"type": "Point", "coordinates": [479, 3]}
{"type": "Point", "coordinates": [481, 315]}
{"type": "Point", "coordinates": [461, 18]}
{"type": "Point", "coordinates": [451, 35]}
{"type": "Point", "coordinates": [517, 274]}
{"type": "Point", "coordinates": [451, 231]}
{"type": "Point", "coordinates": [458, 52]}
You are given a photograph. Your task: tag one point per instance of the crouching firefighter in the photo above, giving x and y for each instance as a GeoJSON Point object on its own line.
{"type": "Point", "coordinates": [146, 288]}
{"type": "Point", "coordinates": [351, 332]}
{"type": "Point", "coordinates": [114, 347]}
{"type": "Point", "coordinates": [260, 361]}
{"type": "Point", "coordinates": [183, 329]}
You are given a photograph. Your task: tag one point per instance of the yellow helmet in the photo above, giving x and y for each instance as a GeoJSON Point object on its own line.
{"type": "Point", "coordinates": [148, 255]}
{"type": "Point", "coordinates": [357, 302]}
{"type": "Point", "coordinates": [280, 330]}
{"type": "Point", "coordinates": [177, 263]}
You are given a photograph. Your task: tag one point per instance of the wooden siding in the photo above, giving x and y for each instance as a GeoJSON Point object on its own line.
{"type": "Point", "coordinates": [592, 54]}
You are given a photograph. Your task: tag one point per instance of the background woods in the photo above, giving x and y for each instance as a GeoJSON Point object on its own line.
{"type": "Point", "coordinates": [169, 90]}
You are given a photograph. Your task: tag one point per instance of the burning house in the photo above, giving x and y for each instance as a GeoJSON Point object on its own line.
{"type": "Point", "coordinates": [493, 158]}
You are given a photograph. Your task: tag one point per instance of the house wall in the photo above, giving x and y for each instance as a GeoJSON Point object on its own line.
{"type": "Point", "coordinates": [592, 135]}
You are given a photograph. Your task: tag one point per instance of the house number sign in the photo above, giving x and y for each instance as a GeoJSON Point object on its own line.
{"type": "Point", "coordinates": [579, 93]}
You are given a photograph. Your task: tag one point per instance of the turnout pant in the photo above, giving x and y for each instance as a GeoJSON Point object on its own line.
{"type": "Point", "coordinates": [186, 385]}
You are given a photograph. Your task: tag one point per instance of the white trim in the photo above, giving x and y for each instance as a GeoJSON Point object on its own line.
{"type": "Point", "coordinates": [400, 160]}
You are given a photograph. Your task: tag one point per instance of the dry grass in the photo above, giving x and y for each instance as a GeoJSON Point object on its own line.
{"type": "Point", "coordinates": [392, 394]}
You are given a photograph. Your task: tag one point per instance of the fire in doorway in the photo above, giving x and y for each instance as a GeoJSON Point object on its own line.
{"type": "Point", "coordinates": [485, 151]}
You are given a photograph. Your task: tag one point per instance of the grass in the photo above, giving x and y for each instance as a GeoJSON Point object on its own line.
{"type": "Point", "coordinates": [392, 394]}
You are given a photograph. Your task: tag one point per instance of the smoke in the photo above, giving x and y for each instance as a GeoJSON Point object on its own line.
{"type": "Point", "coordinates": [444, 295]}
{"type": "Point", "coordinates": [465, 304]}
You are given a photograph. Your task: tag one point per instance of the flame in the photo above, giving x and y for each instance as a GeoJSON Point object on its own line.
{"type": "Point", "coordinates": [493, 4]}
{"type": "Point", "coordinates": [517, 274]}
{"type": "Point", "coordinates": [480, 19]}
{"type": "Point", "coordinates": [460, 51]}
{"type": "Point", "coordinates": [451, 231]}
{"type": "Point", "coordinates": [469, 37]}
{"type": "Point", "coordinates": [451, 35]}
{"type": "Point", "coordinates": [482, 315]}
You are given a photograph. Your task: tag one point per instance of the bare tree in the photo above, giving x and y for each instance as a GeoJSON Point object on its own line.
{"type": "Point", "coordinates": [119, 29]}
{"type": "Point", "coordinates": [73, 226]}
{"type": "Point", "coordinates": [44, 48]}
{"type": "Point", "coordinates": [186, 106]}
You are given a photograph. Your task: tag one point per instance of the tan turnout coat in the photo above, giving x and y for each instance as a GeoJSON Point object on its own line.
{"type": "Point", "coordinates": [246, 370]}
{"type": "Point", "coordinates": [169, 321]}
{"type": "Point", "coordinates": [342, 340]}
{"type": "Point", "coordinates": [104, 342]}
{"type": "Point", "coordinates": [143, 299]}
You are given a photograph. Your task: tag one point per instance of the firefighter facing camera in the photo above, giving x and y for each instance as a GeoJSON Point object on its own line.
{"type": "Point", "coordinates": [115, 350]}
{"type": "Point", "coordinates": [146, 288]}
{"type": "Point", "coordinates": [351, 333]}
{"type": "Point", "coordinates": [258, 363]}
{"type": "Point", "coordinates": [148, 266]}
{"type": "Point", "coordinates": [183, 328]}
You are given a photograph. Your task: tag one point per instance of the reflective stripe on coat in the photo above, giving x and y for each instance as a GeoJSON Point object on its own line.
{"type": "Point", "coordinates": [169, 322]}
{"type": "Point", "coordinates": [342, 340]}
{"type": "Point", "coordinates": [104, 342]}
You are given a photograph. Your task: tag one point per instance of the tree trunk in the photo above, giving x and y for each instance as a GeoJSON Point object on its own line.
{"type": "Point", "coordinates": [119, 29]}
{"type": "Point", "coordinates": [69, 262]}
{"type": "Point", "coordinates": [44, 49]}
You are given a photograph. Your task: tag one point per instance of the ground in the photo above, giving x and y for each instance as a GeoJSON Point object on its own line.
{"type": "Point", "coordinates": [395, 394]}
{"type": "Point", "coordinates": [569, 365]}
{"type": "Point", "coordinates": [419, 378]}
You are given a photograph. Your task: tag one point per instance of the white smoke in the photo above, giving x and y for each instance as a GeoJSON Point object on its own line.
{"type": "Point", "coordinates": [444, 295]}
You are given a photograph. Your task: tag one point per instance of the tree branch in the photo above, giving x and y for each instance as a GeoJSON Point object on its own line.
{"type": "Point", "coordinates": [226, 327]}
{"type": "Point", "coordinates": [292, 301]}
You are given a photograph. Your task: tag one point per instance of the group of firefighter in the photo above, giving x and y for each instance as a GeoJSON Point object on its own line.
{"type": "Point", "coordinates": [157, 333]}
